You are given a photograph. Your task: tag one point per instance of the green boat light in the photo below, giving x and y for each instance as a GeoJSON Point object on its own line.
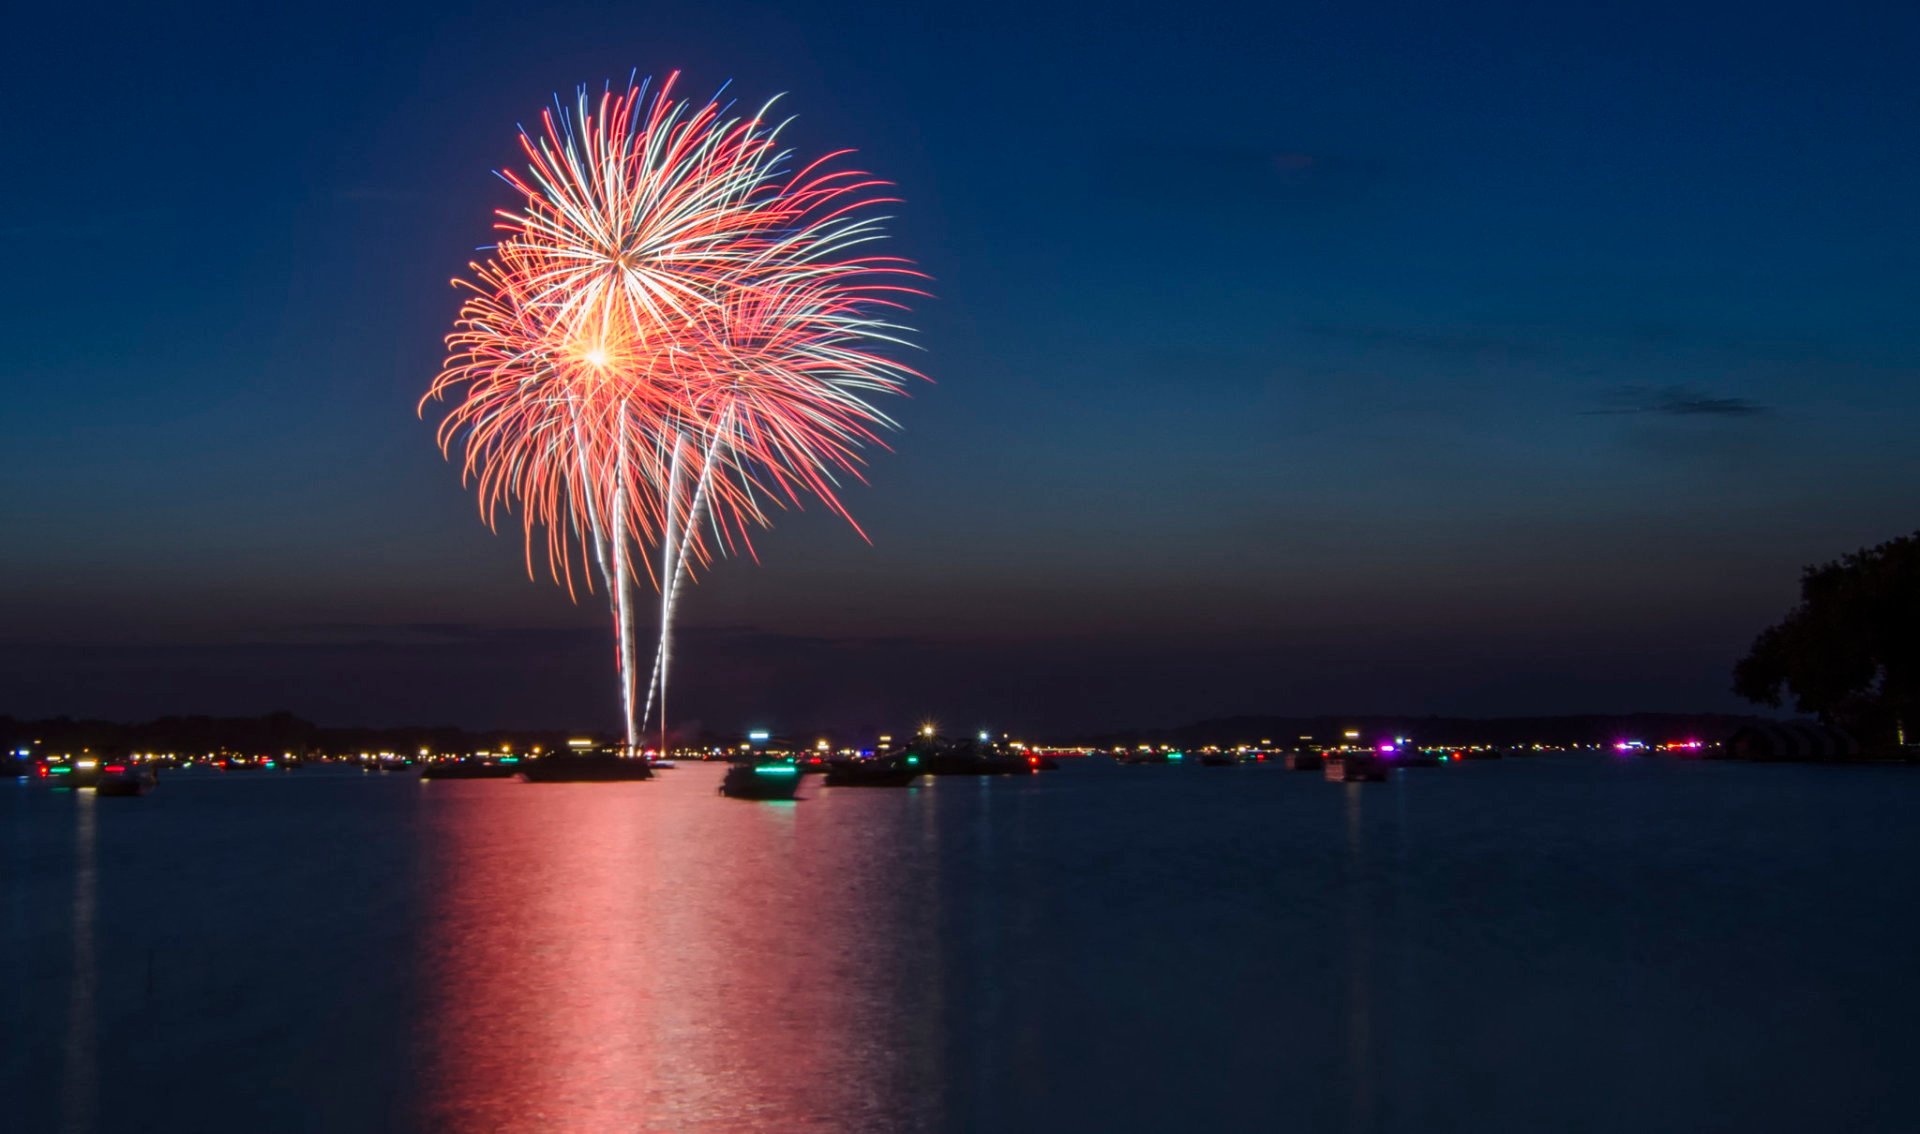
{"type": "Point", "coordinates": [777, 770]}
{"type": "Point", "coordinates": [913, 759]}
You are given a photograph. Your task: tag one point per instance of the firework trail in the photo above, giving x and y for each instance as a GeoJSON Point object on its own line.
{"type": "Point", "coordinates": [678, 333]}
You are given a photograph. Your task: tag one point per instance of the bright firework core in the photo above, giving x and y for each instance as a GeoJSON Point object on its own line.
{"type": "Point", "coordinates": [734, 339]}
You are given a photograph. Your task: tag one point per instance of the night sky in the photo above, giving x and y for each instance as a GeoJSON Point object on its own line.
{"type": "Point", "coordinates": [1484, 358]}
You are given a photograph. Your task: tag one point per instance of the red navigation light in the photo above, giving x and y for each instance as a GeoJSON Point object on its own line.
{"type": "Point", "coordinates": [114, 768]}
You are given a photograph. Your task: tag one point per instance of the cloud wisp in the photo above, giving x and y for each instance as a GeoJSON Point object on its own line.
{"type": "Point", "coordinates": [1679, 401]}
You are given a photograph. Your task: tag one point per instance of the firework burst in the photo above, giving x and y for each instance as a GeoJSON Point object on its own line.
{"type": "Point", "coordinates": [676, 334]}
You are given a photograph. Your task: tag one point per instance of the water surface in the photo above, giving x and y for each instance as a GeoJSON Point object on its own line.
{"type": "Point", "coordinates": [1557, 943]}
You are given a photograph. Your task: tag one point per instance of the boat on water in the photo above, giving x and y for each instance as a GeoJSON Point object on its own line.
{"type": "Point", "coordinates": [470, 768]}
{"type": "Point", "coordinates": [877, 771]}
{"type": "Point", "coordinates": [1415, 758]}
{"type": "Point", "coordinates": [969, 758]}
{"type": "Point", "coordinates": [1305, 761]}
{"type": "Point", "coordinates": [600, 765]}
{"type": "Point", "coordinates": [1355, 768]}
{"type": "Point", "coordinates": [760, 781]}
{"type": "Point", "coordinates": [1219, 760]}
{"type": "Point", "coordinates": [125, 779]}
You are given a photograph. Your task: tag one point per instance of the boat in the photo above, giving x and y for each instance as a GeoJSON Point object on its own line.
{"type": "Point", "coordinates": [125, 779]}
{"type": "Point", "coordinates": [1218, 759]}
{"type": "Point", "coordinates": [600, 765]}
{"type": "Point", "coordinates": [1355, 768]}
{"type": "Point", "coordinates": [878, 771]}
{"type": "Point", "coordinates": [1305, 761]}
{"type": "Point", "coordinates": [1415, 758]}
{"type": "Point", "coordinates": [968, 758]}
{"type": "Point", "coordinates": [760, 781]}
{"type": "Point", "coordinates": [470, 768]}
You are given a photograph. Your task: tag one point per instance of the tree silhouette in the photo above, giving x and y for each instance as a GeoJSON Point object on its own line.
{"type": "Point", "coordinates": [1850, 651]}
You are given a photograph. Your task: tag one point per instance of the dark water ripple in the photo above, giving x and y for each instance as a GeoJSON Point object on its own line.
{"type": "Point", "coordinates": [1564, 943]}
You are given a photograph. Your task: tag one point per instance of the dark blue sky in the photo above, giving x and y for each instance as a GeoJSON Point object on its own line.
{"type": "Point", "coordinates": [1450, 357]}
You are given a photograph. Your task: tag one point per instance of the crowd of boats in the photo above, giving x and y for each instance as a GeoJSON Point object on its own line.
{"type": "Point", "coordinates": [757, 770]}
{"type": "Point", "coordinates": [1349, 762]}
{"type": "Point", "coordinates": [762, 775]}
{"type": "Point", "coordinates": [752, 773]}
{"type": "Point", "coordinates": [766, 767]}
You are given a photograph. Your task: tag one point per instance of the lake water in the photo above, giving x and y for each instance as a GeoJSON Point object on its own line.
{"type": "Point", "coordinates": [1550, 944]}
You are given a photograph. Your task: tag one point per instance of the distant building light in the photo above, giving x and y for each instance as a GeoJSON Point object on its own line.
{"type": "Point", "coordinates": [759, 736]}
{"type": "Point", "coordinates": [579, 744]}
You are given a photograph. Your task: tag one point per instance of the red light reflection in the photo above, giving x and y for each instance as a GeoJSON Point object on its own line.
{"type": "Point", "coordinates": [639, 957]}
